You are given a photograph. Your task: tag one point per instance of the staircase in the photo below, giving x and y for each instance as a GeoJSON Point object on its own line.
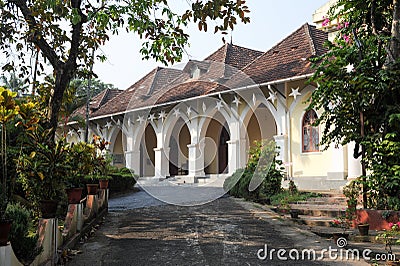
{"type": "Point", "coordinates": [316, 214]}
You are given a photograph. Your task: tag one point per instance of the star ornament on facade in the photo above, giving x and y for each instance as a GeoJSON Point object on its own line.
{"type": "Point", "coordinates": [254, 99]}
{"type": "Point", "coordinates": [295, 93]}
{"type": "Point", "coordinates": [177, 112]}
{"type": "Point", "coordinates": [152, 117]}
{"type": "Point", "coordinates": [204, 107]}
{"type": "Point", "coordinates": [108, 125]}
{"type": "Point", "coordinates": [70, 132]}
{"type": "Point", "coordinates": [140, 119]}
{"type": "Point", "coordinates": [189, 111]}
{"type": "Point", "coordinates": [219, 105]}
{"type": "Point", "coordinates": [162, 115]}
{"type": "Point", "coordinates": [349, 68]}
{"type": "Point", "coordinates": [236, 101]}
{"type": "Point", "coordinates": [272, 97]}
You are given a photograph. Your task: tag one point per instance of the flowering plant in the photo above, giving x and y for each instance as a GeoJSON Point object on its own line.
{"type": "Point", "coordinates": [342, 222]}
{"type": "Point", "coordinates": [390, 236]}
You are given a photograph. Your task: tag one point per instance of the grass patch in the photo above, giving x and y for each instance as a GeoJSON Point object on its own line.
{"type": "Point", "coordinates": [287, 197]}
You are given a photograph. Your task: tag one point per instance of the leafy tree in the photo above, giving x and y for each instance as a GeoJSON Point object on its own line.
{"type": "Point", "coordinates": [14, 83]}
{"type": "Point", "coordinates": [65, 33]}
{"type": "Point", "coordinates": [359, 92]}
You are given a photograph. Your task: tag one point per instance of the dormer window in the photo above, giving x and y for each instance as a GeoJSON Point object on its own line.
{"type": "Point", "coordinates": [195, 72]}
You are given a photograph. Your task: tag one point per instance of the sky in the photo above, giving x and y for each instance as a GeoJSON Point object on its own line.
{"type": "Point", "coordinates": [271, 22]}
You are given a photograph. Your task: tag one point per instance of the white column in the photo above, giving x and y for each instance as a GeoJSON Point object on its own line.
{"type": "Point", "coordinates": [354, 165]}
{"type": "Point", "coordinates": [196, 159]}
{"type": "Point", "coordinates": [132, 155]}
{"type": "Point", "coordinates": [132, 159]}
{"type": "Point", "coordinates": [233, 156]}
{"type": "Point", "coordinates": [337, 169]}
{"type": "Point", "coordinates": [281, 141]}
{"type": "Point", "coordinates": [161, 162]}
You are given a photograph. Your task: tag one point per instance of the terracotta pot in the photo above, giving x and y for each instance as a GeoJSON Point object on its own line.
{"type": "Point", "coordinates": [294, 214]}
{"type": "Point", "coordinates": [48, 208]}
{"type": "Point", "coordinates": [74, 195]}
{"type": "Point", "coordinates": [363, 229]}
{"type": "Point", "coordinates": [92, 188]}
{"type": "Point", "coordinates": [103, 183]}
{"type": "Point", "coordinates": [5, 227]}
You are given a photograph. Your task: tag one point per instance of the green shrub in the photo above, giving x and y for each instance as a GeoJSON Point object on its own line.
{"type": "Point", "coordinates": [262, 169]}
{"type": "Point", "coordinates": [122, 179]}
{"type": "Point", "coordinates": [23, 242]}
{"type": "Point", "coordinates": [286, 197]}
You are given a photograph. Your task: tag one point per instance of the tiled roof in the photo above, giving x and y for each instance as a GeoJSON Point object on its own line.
{"type": "Point", "coordinates": [96, 102]}
{"type": "Point", "coordinates": [234, 55]}
{"type": "Point", "coordinates": [290, 57]}
{"type": "Point", "coordinates": [140, 94]}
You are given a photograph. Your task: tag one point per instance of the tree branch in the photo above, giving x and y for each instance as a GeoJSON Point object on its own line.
{"type": "Point", "coordinates": [373, 7]}
{"type": "Point", "coordinates": [395, 32]}
{"type": "Point", "coordinates": [37, 37]}
{"type": "Point", "coordinates": [76, 33]}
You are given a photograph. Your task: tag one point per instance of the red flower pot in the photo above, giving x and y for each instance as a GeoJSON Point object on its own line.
{"type": "Point", "coordinates": [74, 195]}
{"type": "Point", "coordinates": [92, 188]}
{"type": "Point", "coordinates": [103, 184]}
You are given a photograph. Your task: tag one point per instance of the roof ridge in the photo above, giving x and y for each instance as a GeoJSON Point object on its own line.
{"type": "Point", "coordinates": [310, 38]}
{"type": "Point", "coordinates": [104, 97]}
{"type": "Point", "coordinates": [273, 47]}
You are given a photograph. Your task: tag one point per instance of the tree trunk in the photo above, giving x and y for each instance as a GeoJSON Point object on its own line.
{"type": "Point", "coordinates": [63, 76]}
{"type": "Point", "coordinates": [395, 41]}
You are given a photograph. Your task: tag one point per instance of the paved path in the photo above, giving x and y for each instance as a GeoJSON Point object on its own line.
{"type": "Point", "coordinates": [224, 232]}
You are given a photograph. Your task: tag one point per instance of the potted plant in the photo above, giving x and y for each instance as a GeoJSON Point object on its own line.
{"type": "Point", "coordinates": [351, 192]}
{"type": "Point", "coordinates": [102, 162]}
{"type": "Point", "coordinates": [363, 228]}
{"type": "Point", "coordinates": [80, 163]}
{"type": "Point", "coordinates": [343, 223]}
{"type": "Point", "coordinates": [8, 110]}
{"type": "Point", "coordinates": [390, 237]}
{"type": "Point", "coordinates": [92, 183]}
{"type": "Point", "coordinates": [103, 181]}
{"type": "Point", "coordinates": [43, 170]}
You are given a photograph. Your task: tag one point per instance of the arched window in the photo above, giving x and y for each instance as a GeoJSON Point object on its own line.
{"type": "Point", "coordinates": [310, 132]}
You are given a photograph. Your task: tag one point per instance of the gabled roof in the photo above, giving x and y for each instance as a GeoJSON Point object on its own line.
{"type": "Point", "coordinates": [290, 57]}
{"type": "Point", "coordinates": [96, 102]}
{"type": "Point", "coordinates": [220, 71]}
{"type": "Point", "coordinates": [234, 55]}
{"type": "Point", "coordinates": [141, 93]}
{"type": "Point", "coordinates": [220, 66]}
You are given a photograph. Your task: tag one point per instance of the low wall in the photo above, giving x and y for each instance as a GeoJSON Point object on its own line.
{"type": "Point", "coordinates": [375, 218]}
{"type": "Point", "coordinates": [51, 238]}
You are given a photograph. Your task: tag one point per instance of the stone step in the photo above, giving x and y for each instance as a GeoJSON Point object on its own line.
{"type": "Point", "coordinates": [321, 212]}
{"type": "Point", "coordinates": [315, 221]}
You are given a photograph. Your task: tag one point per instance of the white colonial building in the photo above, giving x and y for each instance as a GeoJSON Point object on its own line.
{"type": "Point", "coordinates": [197, 123]}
